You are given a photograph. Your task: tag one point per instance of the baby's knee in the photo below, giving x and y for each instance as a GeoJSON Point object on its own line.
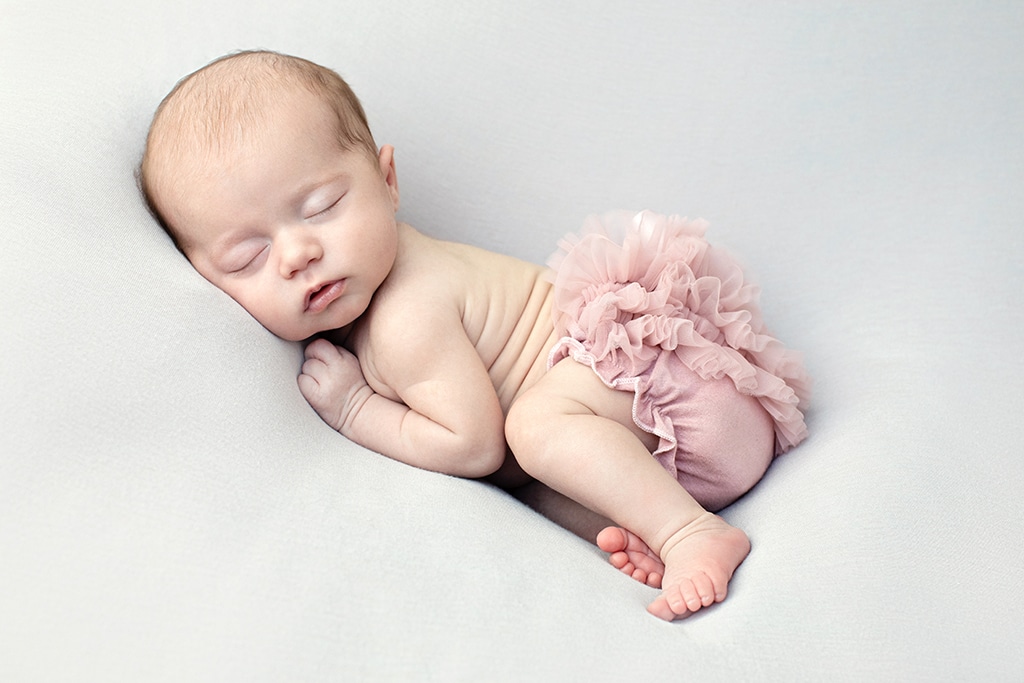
{"type": "Point", "coordinates": [524, 426]}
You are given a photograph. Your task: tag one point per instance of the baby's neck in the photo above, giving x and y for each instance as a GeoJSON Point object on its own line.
{"type": "Point", "coordinates": [340, 335]}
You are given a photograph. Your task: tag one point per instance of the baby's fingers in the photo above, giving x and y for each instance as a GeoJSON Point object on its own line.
{"type": "Point", "coordinates": [322, 350]}
{"type": "Point", "coordinates": [308, 386]}
{"type": "Point", "coordinates": [324, 383]}
{"type": "Point", "coordinates": [313, 379]}
{"type": "Point", "coordinates": [315, 376]}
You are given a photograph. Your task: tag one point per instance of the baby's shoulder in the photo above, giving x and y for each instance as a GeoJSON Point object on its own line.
{"type": "Point", "coordinates": [420, 296]}
{"type": "Point", "coordinates": [439, 273]}
{"type": "Point", "coordinates": [425, 275]}
{"type": "Point", "coordinates": [436, 285]}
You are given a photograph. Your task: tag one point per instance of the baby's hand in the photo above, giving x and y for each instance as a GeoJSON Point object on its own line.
{"type": "Point", "coordinates": [332, 382]}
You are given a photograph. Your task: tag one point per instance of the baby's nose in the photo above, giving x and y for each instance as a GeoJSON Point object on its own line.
{"type": "Point", "coordinates": [297, 252]}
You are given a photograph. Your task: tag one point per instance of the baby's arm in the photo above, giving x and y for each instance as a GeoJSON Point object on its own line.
{"type": "Point", "coordinates": [444, 415]}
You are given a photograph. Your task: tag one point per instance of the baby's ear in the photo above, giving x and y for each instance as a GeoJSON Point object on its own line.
{"type": "Point", "coordinates": [386, 159]}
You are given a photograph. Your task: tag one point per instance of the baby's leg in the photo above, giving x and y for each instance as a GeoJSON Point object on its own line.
{"type": "Point", "coordinates": [565, 512]}
{"type": "Point", "coordinates": [577, 436]}
{"type": "Point", "coordinates": [626, 551]}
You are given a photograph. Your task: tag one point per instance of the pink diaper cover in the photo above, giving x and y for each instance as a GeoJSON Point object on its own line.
{"type": "Point", "coordinates": [654, 309]}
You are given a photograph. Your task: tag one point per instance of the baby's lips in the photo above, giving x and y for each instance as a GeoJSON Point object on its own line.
{"type": "Point", "coordinates": [322, 296]}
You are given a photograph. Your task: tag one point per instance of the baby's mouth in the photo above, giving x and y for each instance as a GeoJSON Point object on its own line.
{"type": "Point", "coordinates": [321, 297]}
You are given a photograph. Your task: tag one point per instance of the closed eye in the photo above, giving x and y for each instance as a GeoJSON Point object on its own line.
{"type": "Point", "coordinates": [248, 260]}
{"type": "Point", "coordinates": [326, 210]}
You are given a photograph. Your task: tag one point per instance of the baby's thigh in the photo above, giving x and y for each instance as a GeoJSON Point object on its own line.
{"type": "Point", "coordinates": [573, 388]}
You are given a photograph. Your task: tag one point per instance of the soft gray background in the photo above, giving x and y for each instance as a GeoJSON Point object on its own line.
{"type": "Point", "coordinates": [170, 508]}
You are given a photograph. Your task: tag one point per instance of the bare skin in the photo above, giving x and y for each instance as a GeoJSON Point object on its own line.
{"type": "Point", "coordinates": [701, 561]}
{"type": "Point", "coordinates": [430, 352]}
{"type": "Point", "coordinates": [582, 423]}
{"type": "Point", "coordinates": [628, 553]}
{"type": "Point", "coordinates": [569, 411]}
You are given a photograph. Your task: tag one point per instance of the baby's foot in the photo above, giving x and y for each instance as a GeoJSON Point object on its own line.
{"type": "Point", "coordinates": [699, 561]}
{"type": "Point", "coordinates": [631, 556]}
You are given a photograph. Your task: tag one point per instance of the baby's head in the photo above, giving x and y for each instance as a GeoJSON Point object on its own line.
{"type": "Point", "coordinates": [223, 104]}
{"type": "Point", "coordinates": [262, 169]}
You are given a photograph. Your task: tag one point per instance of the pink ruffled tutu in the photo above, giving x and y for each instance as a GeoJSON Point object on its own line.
{"type": "Point", "coordinates": [656, 305]}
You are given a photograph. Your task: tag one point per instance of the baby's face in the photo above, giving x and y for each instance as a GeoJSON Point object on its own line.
{"type": "Point", "coordinates": [296, 230]}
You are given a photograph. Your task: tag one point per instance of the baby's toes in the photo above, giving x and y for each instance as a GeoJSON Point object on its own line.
{"type": "Point", "coordinates": [704, 590]}
{"type": "Point", "coordinates": [662, 608]}
{"type": "Point", "coordinates": [620, 561]}
{"type": "Point", "coordinates": [613, 540]}
{"type": "Point", "coordinates": [639, 575]}
{"type": "Point", "coordinates": [689, 596]}
{"type": "Point", "coordinates": [674, 602]}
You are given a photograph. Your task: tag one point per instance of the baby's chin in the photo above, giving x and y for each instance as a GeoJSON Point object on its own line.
{"type": "Point", "coordinates": [335, 334]}
{"type": "Point", "coordinates": [290, 334]}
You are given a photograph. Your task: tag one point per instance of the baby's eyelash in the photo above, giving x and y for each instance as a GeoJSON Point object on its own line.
{"type": "Point", "coordinates": [249, 262]}
{"type": "Point", "coordinates": [328, 209]}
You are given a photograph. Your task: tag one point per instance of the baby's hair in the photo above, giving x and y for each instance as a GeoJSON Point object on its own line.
{"type": "Point", "coordinates": [222, 102]}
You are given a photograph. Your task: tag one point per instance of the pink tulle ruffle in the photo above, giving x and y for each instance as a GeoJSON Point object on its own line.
{"type": "Point", "coordinates": [657, 287]}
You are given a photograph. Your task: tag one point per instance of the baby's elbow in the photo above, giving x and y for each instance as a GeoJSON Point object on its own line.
{"type": "Point", "coordinates": [482, 457]}
{"type": "Point", "coordinates": [475, 453]}
{"type": "Point", "coordinates": [474, 447]}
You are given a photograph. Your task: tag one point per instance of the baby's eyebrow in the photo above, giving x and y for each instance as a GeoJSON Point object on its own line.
{"type": "Point", "coordinates": [314, 184]}
{"type": "Point", "coordinates": [223, 246]}
{"type": "Point", "coordinates": [310, 190]}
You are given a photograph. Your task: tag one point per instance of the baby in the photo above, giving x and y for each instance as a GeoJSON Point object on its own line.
{"type": "Point", "coordinates": [635, 379]}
